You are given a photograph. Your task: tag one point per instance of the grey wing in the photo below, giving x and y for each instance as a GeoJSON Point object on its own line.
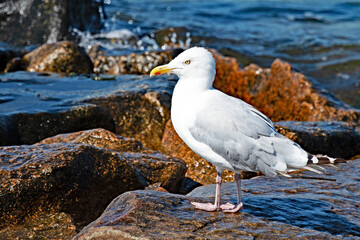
{"type": "Point", "coordinates": [239, 133]}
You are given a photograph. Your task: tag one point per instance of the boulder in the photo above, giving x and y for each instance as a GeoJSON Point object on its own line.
{"type": "Point", "coordinates": [326, 203]}
{"type": "Point", "coordinates": [280, 92]}
{"type": "Point", "coordinates": [61, 57]}
{"type": "Point", "coordinates": [69, 178]}
{"type": "Point", "coordinates": [26, 22]}
{"type": "Point", "coordinates": [155, 167]}
{"type": "Point", "coordinates": [335, 139]}
{"type": "Point", "coordinates": [46, 105]}
{"type": "Point", "coordinates": [307, 206]}
{"type": "Point", "coordinates": [276, 215]}
{"type": "Point", "coordinates": [71, 181]}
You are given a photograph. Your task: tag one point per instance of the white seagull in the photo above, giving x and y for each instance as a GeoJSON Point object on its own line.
{"type": "Point", "coordinates": [224, 130]}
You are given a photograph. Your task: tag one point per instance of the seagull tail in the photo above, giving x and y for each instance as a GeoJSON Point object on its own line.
{"type": "Point", "coordinates": [323, 160]}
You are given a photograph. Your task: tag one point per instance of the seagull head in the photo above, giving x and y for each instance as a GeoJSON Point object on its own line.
{"type": "Point", "coordinates": [193, 63]}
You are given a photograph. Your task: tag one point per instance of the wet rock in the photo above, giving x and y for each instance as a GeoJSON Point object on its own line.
{"type": "Point", "coordinates": [28, 128]}
{"type": "Point", "coordinates": [335, 139]}
{"type": "Point", "coordinates": [101, 138]}
{"type": "Point", "coordinates": [158, 215]}
{"type": "Point", "coordinates": [326, 203]}
{"type": "Point", "coordinates": [5, 57]}
{"type": "Point", "coordinates": [69, 178]}
{"type": "Point", "coordinates": [61, 57]}
{"type": "Point", "coordinates": [155, 167]}
{"type": "Point", "coordinates": [15, 64]}
{"type": "Point", "coordinates": [37, 21]}
{"type": "Point", "coordinates": [45, 226]}
{"type": "Point", "coordinates": [34, 107]}
{"type": "Point", "coordinates": [133, 63]}
{"type": "Point", "coordinates": [281, 93]}
{"type": "Point", "coordinates": [198, 169]}
{"type": "Point", "coordinates": [139, 114]}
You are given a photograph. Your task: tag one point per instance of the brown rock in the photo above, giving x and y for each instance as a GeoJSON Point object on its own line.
{"type": "Point", "coordinates": [45, 226]}
{"type": "Point", "coordinates": [335, 139]}
{"type": "Point", "coordinates": [131, 64]}
{"type": "Point", "coordinates": [158, 215]}
{"type": "Point", "coordinates": [138, 114]}
{"type": "Point", "coordinates": [155, 167]}
{"type": "Point", "coordinates": [280, 93]}
{"type": "Point", "coordinates": [198, 169]}
{"type": "Point", "coordinates": [64, 57]}
{"type": "Point", "coordinates": [101, 138]}
{"type": "Point", "coordinates": [70, 178]}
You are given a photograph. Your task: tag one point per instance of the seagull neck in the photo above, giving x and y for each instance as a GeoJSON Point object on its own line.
{"type": "Point", "coordinates": [190, 86]}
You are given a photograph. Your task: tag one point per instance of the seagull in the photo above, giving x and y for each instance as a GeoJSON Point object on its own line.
{"type": "Point", "coordinates": [227, 131]}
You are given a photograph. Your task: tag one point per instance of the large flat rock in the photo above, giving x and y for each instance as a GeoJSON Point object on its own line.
{"type": "Point", "coordinates": [327, 203]}
{"type": "Point", "coordinates": [305, 207]}
{"type": "Point", "coordinates": [34, 106]}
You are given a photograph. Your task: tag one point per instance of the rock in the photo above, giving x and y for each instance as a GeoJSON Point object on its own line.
{"type": "Point", "coordinates": [158, 215]}
{"type": "Point", "coordinates": [69, 178]}
{"type": "Point", "coordinates": [28, 128]}
{"type": "Point", "coordinates": [101, 138]}
{"type": "Point", "coordinates": [61, 57]}
{"type": "Point", "coordinates": [325, 203]}
{"type": "Point", "coordinates": [26, 22]}
{"type": "Point", "coordinates": [335, 139]}
{"type": "Point", "coordinates": [45, 226]}
{"type": "Point", "coordinates": [15, 64]}
{"type": "Point", "coordinates": [281, 93]}
{"type": "Point", "coordinates": [76, 179]}
{"type": "Point", "coordinates": [5, 57]}
{"type": "Point", "coordinates": [130, 64]}
{"type": "Point", "coordinates": [198, 169]}
{"type": "Point", "coordinates": [155, 167]}
{"type": "Point", "coordinates": [34, 107]}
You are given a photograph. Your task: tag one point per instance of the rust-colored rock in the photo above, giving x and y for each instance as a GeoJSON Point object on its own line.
{"type": "Point", "coordinates": [61, 57]}
{"type": "Point", "coordinates": [131, 64]}
{"type": "Point", "coordinates": [154, 166]}
{"type": "Point", "coordinates": [280, 93]}
{"type": "Point", "coordinates": [198, 169]}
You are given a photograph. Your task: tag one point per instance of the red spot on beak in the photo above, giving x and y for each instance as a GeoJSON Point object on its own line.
{"type": "Point", "coordinates": [157, 73]}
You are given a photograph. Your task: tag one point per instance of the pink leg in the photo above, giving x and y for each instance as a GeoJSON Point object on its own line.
{"type": "Point", "coordinates": [208, 206]}
{"type": "Point", "coordinates": [229, 207]}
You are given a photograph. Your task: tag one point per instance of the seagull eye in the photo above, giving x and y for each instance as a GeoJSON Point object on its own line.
{"type": "Point", "coordinates": [187, 62]}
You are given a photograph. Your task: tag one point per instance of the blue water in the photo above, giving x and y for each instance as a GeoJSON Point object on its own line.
{"type": "Point", "coordinates": [311, 35]}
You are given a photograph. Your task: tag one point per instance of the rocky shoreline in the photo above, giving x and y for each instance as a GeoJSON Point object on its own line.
{"type": "Point", "coordinates": [88, 151]}
{"type": "Point", "coordinates": [116, 136]}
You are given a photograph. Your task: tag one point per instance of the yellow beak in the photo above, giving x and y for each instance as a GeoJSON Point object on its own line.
{"type": "Point", "coordinates": [160, 70]}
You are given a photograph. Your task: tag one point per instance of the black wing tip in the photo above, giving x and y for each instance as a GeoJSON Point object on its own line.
{"type": "Point", "coordinates": [324, 160]}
